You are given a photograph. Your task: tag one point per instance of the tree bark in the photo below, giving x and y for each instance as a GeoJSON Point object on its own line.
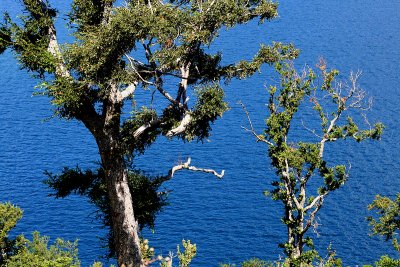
{"type": "Point", "coordinates": [124, 225]}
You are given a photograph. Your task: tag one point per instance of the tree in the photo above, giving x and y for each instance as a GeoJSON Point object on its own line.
{"type": "Point", "coordinates": [118, 49]}
{"type": "Point", "coordinates": [297, 162]}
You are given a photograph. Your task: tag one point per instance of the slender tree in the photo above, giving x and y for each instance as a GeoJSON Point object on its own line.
{"type": "Point", "coordinates": [159, 46]}
{"type": "Point", "coordinates": [298, 162]}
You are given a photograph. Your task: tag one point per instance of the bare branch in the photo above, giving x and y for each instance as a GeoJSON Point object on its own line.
{"type": "Point", "coordinates": [130, 59]}
{"type": "Point", "coordinates": [324, 139]}
{"type": "Point", "coordinates": [289, 190]}
{"type": "Point", "coordinates": [260, 138]}
{"type": "Point", "coordinates": [310, 130]}
{"type": "Point", "coordinates": [166, 94]}
{"type": "Point", "coordinates": [313, 213]}
{"type": "Point", "coordinates": [186, 166]}
{"type": "Point", "coordinates": [184, 84]}
{"type": "Point", "coordinates": [317, 199]}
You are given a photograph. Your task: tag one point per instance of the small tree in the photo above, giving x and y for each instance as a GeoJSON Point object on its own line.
{"type": "Point", "coordinates": [296, 162]}
{"type": "Point", "coordinates": [159, 46]}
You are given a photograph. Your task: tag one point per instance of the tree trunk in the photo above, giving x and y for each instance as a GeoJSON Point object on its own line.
{"type": "Point", "coordinates": [124, 226]}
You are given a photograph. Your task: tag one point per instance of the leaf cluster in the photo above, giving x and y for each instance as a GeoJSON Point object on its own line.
{"type": "Point", "coordinates": [186, 257]}
{"type": "Point", "coordinates": [21, 252]}
{"type": "Point", "coordinates": [30, 40]}
{"type": "Point", "coordinates": [388, 222]}
{"type": "Point", "coordinates": [209, 106]}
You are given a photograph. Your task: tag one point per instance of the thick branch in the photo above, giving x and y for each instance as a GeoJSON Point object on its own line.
{"type": "Point", "coordinates": [184, 84]}
{"type": "Point", "coordinates": [181, 128]}
{"type": "Point", "coordinates": [324, 139]}
{"type": "Point", "coordinates": [127, 92]}
{"type": "Point", "coordinates": [312, 215]}
{"type": "Point", "coordinates": [314, 202]}
{"type": "Point", "coordinates": [289, 190]}
{"type": "Point", "coordinates": [86, 113]}
{"type": "Point", "coordinates": [139, 131]}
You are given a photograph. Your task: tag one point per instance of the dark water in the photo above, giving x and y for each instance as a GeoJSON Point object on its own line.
{"type": "Point", "coordinates": [230, 220]}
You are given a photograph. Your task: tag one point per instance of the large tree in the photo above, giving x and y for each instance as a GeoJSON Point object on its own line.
{"type": "Point", "coordinates": [159, 46]}
{"type": "Point", "coordinates": [297, 146]}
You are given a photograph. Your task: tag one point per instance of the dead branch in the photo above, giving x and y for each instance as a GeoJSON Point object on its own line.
{"type": "Point", "coordinates": [186, 166]}
{"type": "Point", "coordinates": [259, 137]}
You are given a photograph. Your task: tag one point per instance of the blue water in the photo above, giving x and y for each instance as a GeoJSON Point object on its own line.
{"type": "Point", "coordinates": [230, 220]}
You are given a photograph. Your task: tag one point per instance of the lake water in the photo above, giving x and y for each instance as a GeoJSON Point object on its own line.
{"type": "Point", "coordinates": [230, 220]}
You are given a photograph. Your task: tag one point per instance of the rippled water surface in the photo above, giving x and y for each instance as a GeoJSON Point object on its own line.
{"type": "Point", "coordinates": [230, 220]}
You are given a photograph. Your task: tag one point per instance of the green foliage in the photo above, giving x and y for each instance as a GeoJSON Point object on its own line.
{"type": "Point", "coordinates": [21, 252]}
{"type": "Point", "coordinates": [186, 257]}
{"type": "Point", "coordinates": [210, 105]}
{"type": "Point", "coordinates": [87, 13]}
{"type": "Point", "coordinates": [256, 263]}
{"type": "Point", "coordinates": [9, 216]}
{"type": "Point", "coordinates": [37, 253]}
{"type": "Point", "coordinates": [5, 38]}
{"type": "Point", "coordinates": [386, 261]}
{"type": "Point", "coordinates": [388, 222]}
{"type": "Point", "coordinates": [31, 39]}
{"type": "Point", "coordinates": [148, 199]}
{"type": "Point", "coordinates": [141, 45]}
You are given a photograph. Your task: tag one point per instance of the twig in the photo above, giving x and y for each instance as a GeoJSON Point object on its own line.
{"type": "Point", "coordinates": [260, 138]}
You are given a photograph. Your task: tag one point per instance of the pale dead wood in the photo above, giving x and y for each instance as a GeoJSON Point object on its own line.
{"type": "Point", "coordinates": [181, 128]}
{"type": "Point", "coordinates": [186, 166]}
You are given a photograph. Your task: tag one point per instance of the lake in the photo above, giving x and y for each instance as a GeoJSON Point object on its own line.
{"type": "Point", "coordinates": [229, 219]}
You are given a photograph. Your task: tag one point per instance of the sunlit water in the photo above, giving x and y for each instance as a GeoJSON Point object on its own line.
{"type": "Point", "coordinates": [229, 219]}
